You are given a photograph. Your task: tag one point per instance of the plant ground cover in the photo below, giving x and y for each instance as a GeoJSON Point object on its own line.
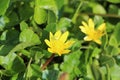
{"type": "Point", "coordinates": [59, 39]}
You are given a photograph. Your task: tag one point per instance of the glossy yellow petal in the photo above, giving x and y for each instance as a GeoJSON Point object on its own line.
{"type": "Point", "coordinates": [60, 54]}
{"type": "Point", "coordinates": [57, 43]}
{"type": "Point", "coordinates": [66, 51]}
{"type": "Point", "coordinates": [57, 35]}
{"type": "Point", "coordinates": [83, 29]}
{"type": "Point", "coordinates": [51, 36]}
{"type": "Point", "coordinates": [47, 42]}
{"type": "Point", "coordinates": [87, 38]}
{"type": "Point", "coordinates": [50, 50]}
{"type": "Point", "coordinates": [102, 27]}
{"type": "Point", "coordinates": [91, 24]}
{"type": "Point", "coordinates": [64, 36]}
{"type": "Point", "coordinates": [69, 43]}
{"type": "Point", "coordinates": [98, 41]}
{"type": "Point", "coordinates": [84, 24]}
{"type": "Point", "coordinates": [99, 34]}
{"type": "Point", "coordinates": [91, 33]}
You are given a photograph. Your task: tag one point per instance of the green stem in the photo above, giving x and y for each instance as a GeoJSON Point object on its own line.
{"type": "Point", "coordinates": [27, 68]}
{"type": "Point", "coordinates": [108, 72]}
{"type": "Point", "coordinates": [103, 15]}
{"type": "Point", "coordinates": [106, 42]}
{"type": "Point", "coordinates": [76, 13]}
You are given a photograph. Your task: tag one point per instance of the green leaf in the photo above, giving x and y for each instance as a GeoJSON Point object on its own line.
{"type": "Point", "coordinates": [20, 46]}
{"type": "Point", "coordinates": [51, 17]}
{"type": "Point", "coordinates": [113, 41]}
{"type": "Point", "coordinates": [98, 20]}
{"type": "Point", "coordinates": [40, 15]}
{"type": "Point", "coordinates": [60, 3]}
{"type": "Point", "coordinates": [107, 60]}
{"type": "Point", "coordinates": [53, 75]}
{"type": "Point", "coordinates": [71, 62]}
{"type": "Point", "coordinates": [25, 52]}
{"type": "Point", "coordinates": [114, 1]}
{"type": "Point", "coordinates": [2, 23]}
{"type": "Point", "coordinates": [113, 9]}
{"type": "Point", "coordinates": [97, 8]}
{"type": "Point", "coordinates": [23, 25]}
{"type": "Point", "coordinates": [13, 19]}
{"type": "Point", "coordinates": [115, 71]}
{"type": "Point", "coordinates": [110, 27]}
{"type": "Point", "coordinates": [63, 24]}
{"type": "Point", "coordinates": [93, 72]}
{"type": "Point", "coordinates": [14, 77]}
{"type": "Point", "coordinates": [117, 33]}
{"type": "Point", "coordinates": [38, 56]}
{"type": "Point", "coordinates": [117, 58]}
{"type": "Point", "coordinates": [51, 27]}
{"type": "Point", "coordinates": [115, 51]}
{"type": "Point", "coordinates": [29, 36]}
{"type": "Point", "coordinates": [33, 72]}
{"type": "Point", "coordinates": [9, 39]}
{"type": "Point", "coordinates": [50, 75]}
{"type": "Point", "coordinates": [96, 52]}
{"type": "Point", "coordinates": [3, 6]}
{"type": "Point", "coordinates": [12, 62]}
{"type": "Point", "coordinates": [96, 72]}
{"type": "Point", "coordinates": [25, 11]}
{"type": "Point", "coordinates": [5, 49]}
{"type": "Point", "coordinates": [76, 45]}
{"type": "Point", "coordinates": [89, 75]}
{"type": "Point", "coordinates": [12, 37]}
{"type": "Point", "coordinates": [7, 72]}
{"type": "Point", "coordinates": [47, 4]}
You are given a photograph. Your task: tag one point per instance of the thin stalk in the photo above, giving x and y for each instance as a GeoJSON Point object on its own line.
{"type": "Point", "coordinates": [108, 72]}
{"type": "Point", "coordinates": [47, 62]}
{"type": "Point", "coordinates": [76, 12]}
{"type": "Point", "coordinates": [103, 15]}
{"type": "Point", "coordinates": [27, 68]}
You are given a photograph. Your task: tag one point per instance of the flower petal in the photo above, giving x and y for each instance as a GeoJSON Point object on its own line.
{"type": "Point", "coordinates": [91, 24]}
{"type": "Point", "coordinates": [66, 51]}
{"type": "Point", "coordinates": [51, 36]}
{"type": "Point", "coordinates": [50, 50]}
{"type": "Point", "coordinates": [98, 41]}
{"type": "Point", "coordinates": [47, 42]}
{"type": "Point", "coordinates": [87, 38]}
{"type": "Point", "coordinates": [69, 43]}
{"type": "Point", "coordinates": [84, 24]}
{"type": "Point", "coordinates": [63, 38]}
{"type": "Point", "coordinates": [92, 34]}
{"type": "Point", "coordinates": [99, 34]}
{"type": "Point", "coordinates": [83, 29]}
{"type": "Point", "coordinates": [59, 54]}
{"type": "Point", "coordinates": [57, 43]}
{"type": "Point", "coordinates": [57, 35]}
{"type": "Point", "coordinates": [102, 27]}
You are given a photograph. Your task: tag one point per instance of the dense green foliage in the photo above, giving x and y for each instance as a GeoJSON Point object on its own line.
{"type": "Point", "coordinates": [25, 24]}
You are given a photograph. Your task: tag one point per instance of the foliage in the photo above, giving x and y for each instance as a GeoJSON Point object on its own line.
{"type": "Point", "coordinates": [25, 24]}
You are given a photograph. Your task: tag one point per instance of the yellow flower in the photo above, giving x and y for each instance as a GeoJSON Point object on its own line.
{"type": "Point", "coordinates": [93, 34]}
{"type": "Point", "coordinates": [58, 44]}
